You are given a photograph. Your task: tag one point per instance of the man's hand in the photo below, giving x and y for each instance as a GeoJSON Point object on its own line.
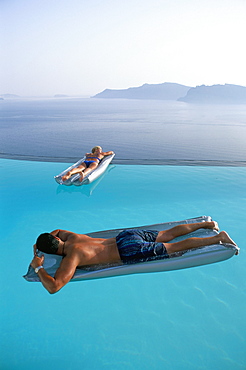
{"type": "Point", "coordinates": [63, 274]}
{"type": "Point", "coordinates": [37, 261]}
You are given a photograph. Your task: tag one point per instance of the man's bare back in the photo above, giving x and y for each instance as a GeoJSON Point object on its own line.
{"type": "Point", "coordinates": [87, 250]}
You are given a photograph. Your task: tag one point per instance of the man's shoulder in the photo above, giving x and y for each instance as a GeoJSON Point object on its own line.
{"type": "Point", "coordinates": [72, 253]}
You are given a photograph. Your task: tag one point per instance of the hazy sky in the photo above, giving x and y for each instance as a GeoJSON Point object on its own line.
{"type": "Point", "coordinates": [81, 47]}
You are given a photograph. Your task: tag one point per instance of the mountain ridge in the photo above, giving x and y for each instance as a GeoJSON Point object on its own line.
{"type": "Point", "coordinates": [162, 91]}
{"type": "Point", "coordinates": [227, 93]}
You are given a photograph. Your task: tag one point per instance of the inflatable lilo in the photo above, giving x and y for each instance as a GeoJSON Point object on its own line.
{"type": "Point", "coordinates": [186, 258]}
{"type": "Point", "coordinates": [87, 169]}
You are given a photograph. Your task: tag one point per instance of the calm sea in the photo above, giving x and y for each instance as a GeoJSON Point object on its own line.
{"type": "Point", "coordinates": [64, 129]}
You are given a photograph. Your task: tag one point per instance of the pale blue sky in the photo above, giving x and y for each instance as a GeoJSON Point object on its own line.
{"type": "Point", "coordinates": [81, 47]}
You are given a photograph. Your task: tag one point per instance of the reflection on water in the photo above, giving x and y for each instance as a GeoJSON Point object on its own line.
{"type": "Point", "coordinates": [85, 189]}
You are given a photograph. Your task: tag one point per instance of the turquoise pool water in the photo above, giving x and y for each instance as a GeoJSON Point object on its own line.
{"type": "Point", "coordinates": [189, 319]}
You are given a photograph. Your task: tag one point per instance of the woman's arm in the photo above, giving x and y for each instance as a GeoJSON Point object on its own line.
{"type": "Point", "coordinates": [107, 153]}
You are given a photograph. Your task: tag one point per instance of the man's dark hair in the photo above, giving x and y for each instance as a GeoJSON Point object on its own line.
{"type": "Point", "coordinates": [47, 243]}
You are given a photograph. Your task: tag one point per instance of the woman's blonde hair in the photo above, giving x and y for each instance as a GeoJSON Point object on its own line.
{"type": "Point", "coordinates": [95, 148]}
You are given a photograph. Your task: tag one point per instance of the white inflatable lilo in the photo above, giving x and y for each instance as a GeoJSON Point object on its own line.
{"type": "Point", "coordinates": [180, 260]}
{"type": "Point", "coordinates": [93, 175]}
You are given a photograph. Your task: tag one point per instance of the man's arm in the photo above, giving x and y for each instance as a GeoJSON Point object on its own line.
{"type": "Point", "coordinates": [62, 276]}
{"type": "Point", "coordinates": [62, 234]}
{"type": "Point", "coordinates": [55, 232]}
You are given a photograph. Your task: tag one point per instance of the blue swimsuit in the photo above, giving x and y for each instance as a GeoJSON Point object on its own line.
{"type": "Point", "coordinates": [88, 162]}
{"type": "Point", "coordinates": [140, 245]}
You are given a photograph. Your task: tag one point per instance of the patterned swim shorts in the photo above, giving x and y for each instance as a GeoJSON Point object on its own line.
{"type": "Point", "coordinates": [139, 246]}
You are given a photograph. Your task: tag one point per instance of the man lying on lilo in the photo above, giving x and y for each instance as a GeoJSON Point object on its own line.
{"type": "Point", "coordinates": [129, 246]}
{"type": "Point", "coordinates": [90, 163]}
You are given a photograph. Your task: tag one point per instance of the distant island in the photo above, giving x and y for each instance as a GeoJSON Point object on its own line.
{"type": "Point", "coordinates": [61, 96]}
{"type": "Point", "coordinates": [9, 96]}
{"type": "Point", "coordinates": [164, 91]}
{"type": "Point", "coordinates": [215, 94]}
